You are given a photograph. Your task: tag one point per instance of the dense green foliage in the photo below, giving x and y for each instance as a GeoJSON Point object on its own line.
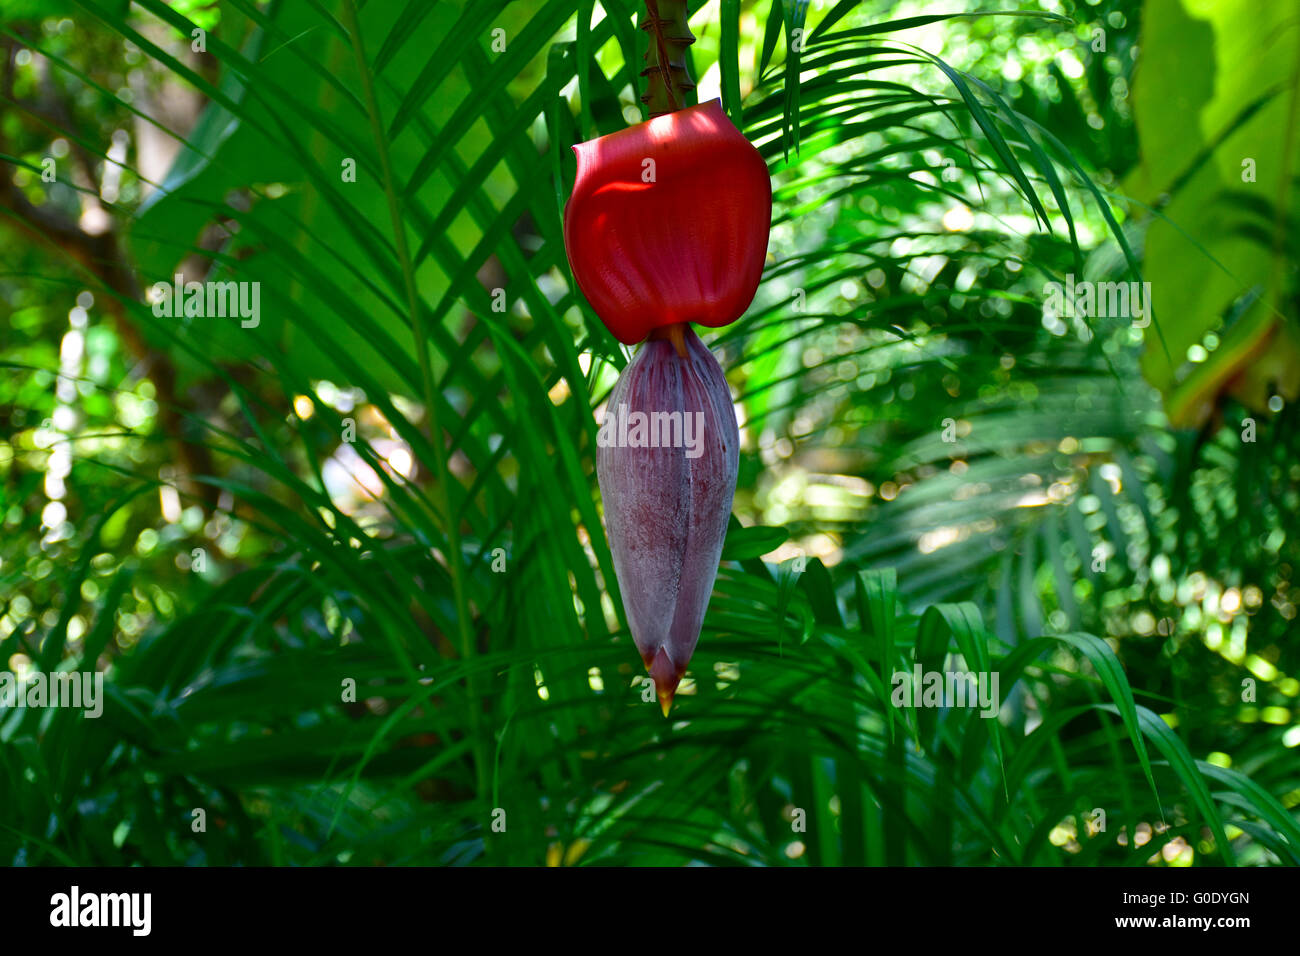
{"type": "Point", "coordinates": [388, 481]}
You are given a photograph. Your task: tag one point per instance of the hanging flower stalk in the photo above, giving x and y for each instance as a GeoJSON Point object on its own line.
{"type": "Point", "coordinates": [668, 225]}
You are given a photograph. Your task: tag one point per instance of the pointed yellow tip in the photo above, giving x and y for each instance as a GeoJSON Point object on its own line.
{"type": "Point", "coordinates": [664, 677]}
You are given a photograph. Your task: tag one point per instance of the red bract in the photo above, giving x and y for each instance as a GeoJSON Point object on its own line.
{"type": "Point", "coordinates": [668, 222]}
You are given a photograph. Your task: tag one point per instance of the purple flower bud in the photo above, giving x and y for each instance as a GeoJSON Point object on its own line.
{"type": "Point", "coordinates": [667, 460]}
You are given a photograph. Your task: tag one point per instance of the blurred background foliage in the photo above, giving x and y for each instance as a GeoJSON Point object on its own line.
{"type": "Point", "coordinates": [390, 479]}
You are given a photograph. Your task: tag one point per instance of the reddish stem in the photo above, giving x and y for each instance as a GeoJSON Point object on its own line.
{"type": "Point", "coordinates": [675, 333]}
{"type": "Point", "coordinates": [668, 81]}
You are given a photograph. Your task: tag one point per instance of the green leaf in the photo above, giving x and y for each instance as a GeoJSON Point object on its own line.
{"type": "Point", "coordinates": [729, 61]}
{"type": "Point", "coordinates": [743, 543]}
